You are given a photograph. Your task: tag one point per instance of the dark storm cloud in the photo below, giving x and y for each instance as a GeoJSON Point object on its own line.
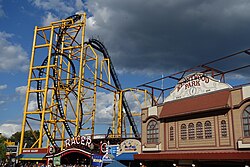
{"type": "Point", "coordinates": [169, 35]}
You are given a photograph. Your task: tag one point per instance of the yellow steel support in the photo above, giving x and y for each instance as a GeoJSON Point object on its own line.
{"type": "Point", "coordinates": [107, 71]}
{"type": "Point", "coordinates": [94, 105]}
{"type": "Point", "coordinates": [52, 82]}
{"type": "Point", "coordinates": [27, 93]}
{"type": "Point", "coordinates": [80, 80]}
{"type": "Point", "coordinates": [119, 116]}
{"type": "Point", "coordinates": [114, 114]}
{"type": "Point", "coordinates": [46, 87]}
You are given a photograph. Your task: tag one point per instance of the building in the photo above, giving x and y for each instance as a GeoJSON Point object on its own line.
{"type": "Point", "coordinates": [203, 122]}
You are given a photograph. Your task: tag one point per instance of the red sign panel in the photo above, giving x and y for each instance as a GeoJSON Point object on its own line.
{"type": "Point", "coordinates": [34, 150]}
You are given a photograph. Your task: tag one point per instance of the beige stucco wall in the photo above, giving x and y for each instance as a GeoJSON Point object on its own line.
{"type": "Point", "coordinates": [236, 96]}
{"type": "Point", "coordinates": [215, 142]}
{"type": "Point", "coordinates": [144, 126]}
{"type": "Point", "coordinates": [147, 116]}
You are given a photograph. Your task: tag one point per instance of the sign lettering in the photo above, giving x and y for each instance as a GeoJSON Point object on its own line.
{"type": "Point", "coordinates": [192, 80]}
{"type": "Point", "coordinates": [195, 84]}
{"type": "Point", "coordinates": [79, 140]}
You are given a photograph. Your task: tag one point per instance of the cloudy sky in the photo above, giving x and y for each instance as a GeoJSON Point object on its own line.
{"type": "Point", "coordinates": [144, 38]}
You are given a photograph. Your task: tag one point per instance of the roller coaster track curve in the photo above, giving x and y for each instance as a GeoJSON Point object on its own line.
{"type": "Point", "coordinates": [96, 44]}
{"type": "Point", "coordinates": [54, 55]}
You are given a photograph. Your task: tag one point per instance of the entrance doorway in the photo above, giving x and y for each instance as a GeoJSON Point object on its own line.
{"type": "Point", "coordinates": [75, 157]}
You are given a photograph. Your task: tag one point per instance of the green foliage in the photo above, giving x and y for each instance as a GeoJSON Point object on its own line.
{"type": "Point", "coordinates": [15, 137]}
{"type": "Point", "coordinates": [29, 137]}
{"type": "Point", "coordinates": [2, 147]}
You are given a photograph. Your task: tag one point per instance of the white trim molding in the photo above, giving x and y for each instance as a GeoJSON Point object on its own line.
{"type": "Point", "coordinates": [242, 145]}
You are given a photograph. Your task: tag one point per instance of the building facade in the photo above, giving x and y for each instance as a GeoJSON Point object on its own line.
{"type": "Point", "coordinates": [202, 122]}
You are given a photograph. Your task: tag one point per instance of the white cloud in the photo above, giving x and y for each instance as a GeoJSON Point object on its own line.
{"type": "Point", "coordinates": [54, 5]}
{"type": "Point", "coordinates": [56, 9]}
{"type": "Point", "coordinates": [21, 90]}
{"type": "Point", "coordinates": [48, 18]}
{"type": "Point", "coordinates": [91, 23]}
{"type": "Point", "coordinates": [3, 87]}
{"type": "Point", "coordinates": [8, 129]}
{"type": "Point", "coordinates": [104, 106]}
{"type": "Point", "coordinates": [13, 56]}
{"type": "Point", "coordinates": [32, 105]}
{"type": "Point", "coordinates": [238, 77]}
{"type": "Point", "coordinates": [3, 98]}
{"type": "Point", "coordinates": [105, 102]}
{"type": "Point", "coordinates": [79, 5]}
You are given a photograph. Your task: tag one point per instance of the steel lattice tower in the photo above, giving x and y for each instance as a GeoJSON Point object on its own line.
{"type": "Point", "coordinates": [66, 73]}
{"type": "Point", "coordinates": [54, 89]}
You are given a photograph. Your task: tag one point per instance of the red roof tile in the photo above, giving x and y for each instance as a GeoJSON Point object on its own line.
{"type": "Point", "coordinates": [196, 104]}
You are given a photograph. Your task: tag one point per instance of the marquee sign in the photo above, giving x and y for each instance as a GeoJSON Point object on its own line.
{"type": "Point", "coordinates": [79, 140]}
{"type": "Point", "coordinates": [195, 84]}
{"type": "Point", "coordinates": [83, 143]}
{"type": "Point", "coordinates": [34, 150]}
{"type": "Point", "coordinates": [130, 145]}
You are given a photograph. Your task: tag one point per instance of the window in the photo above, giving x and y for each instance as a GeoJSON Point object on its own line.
{"type": "Point", "coordinates": [199, 130]}
{"type": "Point", "coordinates": [171, 133]}
{"type": "Point", "coordinates": [183, 132]}
{"type": "Point", "coordinates": [208, 130]}
{"type": "Point", "coordinates": [223, 126]}
{"type": "Point", "coordinates": [190, 131]}
{"type": "Point", "coordinates": [152, 132]}
{"type": "Point", "coordinates": [246, 122]}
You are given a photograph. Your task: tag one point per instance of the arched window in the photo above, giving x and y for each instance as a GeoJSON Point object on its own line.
{"type": "Point", "coordinates": [183, 132]}
{"type": "Point", "coordinates": [199, 130]}
{"type": "Point", "coordinates": [190, 131]}
{"type": "Point", "coordinates": [171, 133]}
{"type": "Point", "coordinates": [246, 122]}
{"type": "Point", "coordinates": [208, 130]}
{"type": "Point", "coordinates": [223, 126]}
{"type": "Point", "coordinates": [152, 132]}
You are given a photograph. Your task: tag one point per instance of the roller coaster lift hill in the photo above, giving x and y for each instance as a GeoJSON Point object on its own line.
{"type": "Point", "coordinates": [66, 73]}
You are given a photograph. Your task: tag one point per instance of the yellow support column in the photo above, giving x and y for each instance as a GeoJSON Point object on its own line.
{"type": "Point", "coordinates": [114, 115]}
{"type": "Point", "coordinates": [46, 88]}
{"type": "Point", "coordinates": [27, 92]}
{"type": "Point", "coordinates": [95, 95]}
{"type": "Point", "coordinates": [119, 118]}
{"type": "Point", "coordinates": [81, 76]}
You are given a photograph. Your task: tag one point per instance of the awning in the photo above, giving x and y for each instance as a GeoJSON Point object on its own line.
{"type": "Point", "coordinates": [32, 156]}
{"type": "Point", "coordinates": [126, 156]}
{"type": "Point", "coordinates": [195, 155]}
{"type": "Point", "coordinates": [196, 104]}
{"type": "Point", "coordinates": [115, 164]}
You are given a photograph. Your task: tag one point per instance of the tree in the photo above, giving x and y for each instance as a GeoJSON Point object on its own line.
{"type": "Point", "coordinates": [2, 148]}
{"type": "Point", "coordinates": [29, 137]}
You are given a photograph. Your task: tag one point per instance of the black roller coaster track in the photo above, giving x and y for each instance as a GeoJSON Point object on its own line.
{"type": "Point", "coordinates": [55, 55]}
{"type": "Point", "coordinates": [101, 48]}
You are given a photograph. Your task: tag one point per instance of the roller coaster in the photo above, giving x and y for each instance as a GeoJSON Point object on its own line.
{"type": "Point", "coordinates": [65, 77]}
